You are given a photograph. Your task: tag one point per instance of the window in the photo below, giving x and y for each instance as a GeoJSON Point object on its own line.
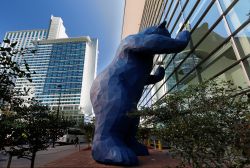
{"type": "Point", "coordinates": [242, 40]}
{"type": "Point", "coordinates": [234, 75]}
{"type": "Point", "coordinates": [222, 59]}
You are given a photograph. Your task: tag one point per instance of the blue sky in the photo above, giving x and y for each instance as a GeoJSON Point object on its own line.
{"type": "Point", "coordinates": [97, 18]}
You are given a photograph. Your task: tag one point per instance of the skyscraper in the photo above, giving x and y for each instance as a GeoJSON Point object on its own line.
{"type": "Point", "coordinates": [25, 39]}
{"type": "Point", "coordinates": [65, 68]}
{"type": "Point", "coordinates": [219, 48]}
{"type": "Point", "coordinates": [56, 28]}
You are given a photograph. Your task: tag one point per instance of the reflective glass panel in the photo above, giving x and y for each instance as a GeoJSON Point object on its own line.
{"type": "Point", "coordinates": [242, 40]}
{"type": "Point", "coordinates": [212, 40]}
{"type": "Point", "coordinates": [171, 11]}
{"type": "Point", "coordinates": [199, 11]}
{"type": "Point", "coordinates": [218, 62]}
{"type": "Point", "coordinates": [180, 56]}
{"type": "Point", "coordinates": [167, 59]}
{"type": "Point", "coordinates": [225, 3]}
{"type": "Point", "coordinates": [168, 71]}
{"type": "Point", "coordinates": [217, 34]}
{"type": "Point", "coordinates": [191, 79]}
{"type": "Point", "coordinates": [247, 67]}
{"type": "Point", "coordinates": [145, 99]}
{"type": "Point", "coordinates": [176, 14]}
{"type": "Point", "coordinates": [238, 14]}
{"type": "Point", "coordinates": [186, 66]}
{"type": "Point", "coordinates": [234, 75]}
{"type": "Point", "coordinates": [171, 82]}
{"type": "Point", "coordinates": [177, 27]}
{"type": "Point", "coordinates": [165, 10]}
{"type": "Point", "coordinates": [189, 7]}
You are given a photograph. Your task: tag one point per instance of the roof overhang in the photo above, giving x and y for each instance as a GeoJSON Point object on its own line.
{"type": "Point", "coordinates": [133, 10]}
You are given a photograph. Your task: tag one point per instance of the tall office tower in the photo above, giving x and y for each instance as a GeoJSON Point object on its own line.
{"type": "Point", "coordinates": [219, 48]}
{"type": "Point", "coordinates": [65, 69]}
{"type": "Point", "coordinates": [56, 28]}
{"type": "Point", "coordinates": [25, 39]}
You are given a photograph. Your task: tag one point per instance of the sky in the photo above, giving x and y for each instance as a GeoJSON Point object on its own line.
{"type": "Point", "coordinates": [100, 19]}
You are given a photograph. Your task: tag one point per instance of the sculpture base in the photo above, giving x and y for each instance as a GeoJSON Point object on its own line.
{"type": "Point", "coordinates": [83, 159]}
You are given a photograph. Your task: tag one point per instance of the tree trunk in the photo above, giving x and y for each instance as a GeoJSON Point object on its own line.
{"type": "Point", "coordinates": [53, 142]}
{"type": "Point", "coordinates": [9, 161]}
{"type": "Point", "coordinates": [88, 143]}
{"type": "Point", "coordinates": [33, 159]}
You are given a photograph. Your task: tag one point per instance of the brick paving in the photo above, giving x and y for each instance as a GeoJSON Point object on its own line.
{"type": "Point", "coordinates": [83, 159]}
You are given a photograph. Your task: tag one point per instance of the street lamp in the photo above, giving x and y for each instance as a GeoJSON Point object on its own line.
{"type": "Point", "coordinates": [59, 101]}
{"type": "Point", "coordinates": [57, 113]}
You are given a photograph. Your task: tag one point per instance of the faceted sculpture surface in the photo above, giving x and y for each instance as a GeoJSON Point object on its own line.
{"type": "Point", "coordinates": [116, 91]}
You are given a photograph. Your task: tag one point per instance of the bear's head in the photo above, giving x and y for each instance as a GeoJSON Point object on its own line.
{"type": "Point", "coordinates": [157, 30]}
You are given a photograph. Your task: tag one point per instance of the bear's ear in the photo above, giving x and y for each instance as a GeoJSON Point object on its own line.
{"type": "Point", "coordinates": [162, 25]}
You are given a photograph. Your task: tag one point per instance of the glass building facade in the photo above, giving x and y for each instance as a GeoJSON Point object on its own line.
{"type": "Point", "coordinates": [25, 39]}
{"type": "Point", "coordinates": [58, 81]}
{"type": "Point", "coordinates": [219, 48]}
{"type": "Point", "coordinates": [64, 68]}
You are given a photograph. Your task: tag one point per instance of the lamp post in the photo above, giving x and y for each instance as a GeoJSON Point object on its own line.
{"type": "Point", "coordinates": [57, 114]}
{"type": "Point", "coordinates": [59, 102]}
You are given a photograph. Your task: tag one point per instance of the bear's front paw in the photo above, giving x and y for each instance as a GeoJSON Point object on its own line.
{"type": "Point", "coordinates": [160, 72]}
{"type": "Point", "coordinates": [184, 36]}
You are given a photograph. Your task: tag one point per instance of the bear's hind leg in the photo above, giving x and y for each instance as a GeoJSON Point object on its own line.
{"type": "Point", "coordinates": [113, 151]}
{"type": "Point", "coordinates": [132, 143]}
{"type": "Point", "coordinates": [138, 148]}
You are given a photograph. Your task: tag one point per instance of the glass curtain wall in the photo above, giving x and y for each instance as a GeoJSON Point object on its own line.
{"type": "Point", "coordinates": [58, 76]}
{"type": "Point", "coordinates": [219, 48]}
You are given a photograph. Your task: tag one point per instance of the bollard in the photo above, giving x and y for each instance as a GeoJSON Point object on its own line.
{"type": "Point", "coordinates": [148, 143]}
{"type": "Point", "coordinates": [159, 145]}
{"type": "Point", "coordinates": [155, 144]}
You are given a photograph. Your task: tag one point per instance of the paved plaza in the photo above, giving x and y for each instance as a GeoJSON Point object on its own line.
{"type": "Point", "coordinates": [71, 157]}
{"type": "Point", "coordinates": [83, 159]}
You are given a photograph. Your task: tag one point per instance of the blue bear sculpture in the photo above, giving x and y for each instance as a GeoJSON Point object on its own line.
{"type": "Point", "coordinates": [116, 91]}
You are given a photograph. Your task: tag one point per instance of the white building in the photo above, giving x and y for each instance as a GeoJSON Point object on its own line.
{"type": "Point", "coordinates": [65, 68]}
{"type": "Point", "coordinates": [56, 28]}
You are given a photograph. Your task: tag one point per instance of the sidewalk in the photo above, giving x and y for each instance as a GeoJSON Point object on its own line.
{"type": "Point", "coordinates": [43, 157]}
{"type": "Point", "coordinates": [83, 159]}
